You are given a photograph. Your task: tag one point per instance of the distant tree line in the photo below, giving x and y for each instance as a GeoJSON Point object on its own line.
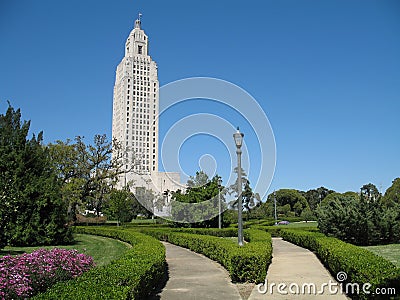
{"type": "Point", "coordinates": [292, 203]}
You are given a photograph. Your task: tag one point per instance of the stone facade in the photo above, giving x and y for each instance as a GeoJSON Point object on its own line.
{"type": "Point", "coordinates": [135, 116]}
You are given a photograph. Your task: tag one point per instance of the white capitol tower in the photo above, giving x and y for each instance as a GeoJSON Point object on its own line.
{"type": "Point", "coordinates": [135, 115]}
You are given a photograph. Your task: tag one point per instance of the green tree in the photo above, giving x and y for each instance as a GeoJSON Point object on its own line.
{"type": "Point", "coordinates": [337, 217]}
{"type": "Point", "coordinates": [370, 192]}
{"type": "Point", "coordinates": [356, 219]}
{"type": "Point", "coordinates": [284, 210]}
{"type": "Point", "coordinates": [307, 215]}
{"type": "Point", "coordinates": [233, 188]}
{"type": "Point", "coordinates": [119, 206]}
{"type": "Point", "coordinates": [88, 172]}
{"type": "Point", "coordinates": [314, 197]}
{"type": "Point", "coordinates": [292, 200]}
{"type": "Point", "coordinates": [392, 194]}
{"type": "Point", "coordinates": [200, 179]}
{"type": "Point", "coordinates": [203, 211]}
{"type": "Point", "coordinates": [123, 205]}
{"type": "Point", "coordinates": [298, 208]}
{"type": "Point", "coordinates": [31, 211]}
{"type": "Point", "coordinates": [145, 203]}
{"type": "Point", "coordinates": [250, 199]}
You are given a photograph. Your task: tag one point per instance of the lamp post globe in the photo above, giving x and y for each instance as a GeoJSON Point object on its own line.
{"type": "Point", "coordinates": [238, 137]}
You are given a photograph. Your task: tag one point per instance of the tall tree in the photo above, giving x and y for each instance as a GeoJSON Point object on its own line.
{"type": "Point", "coordinates": [200, 179]}
{"type": "Point", "coordinates": [146, 202]}
{"type": "Point", "coordinates": [250, 199]}
{"type": "Point", "coordinates": [88, 172]}
{"type": "Point", "coordinates": [233, 189]}
{"type": "Point", "coordinates": [31, 211]}
{"type": "Point", "coordinates": [315, 196]}
{"type": "Point", "coordinates": [119, 205]}
{"type": "Point", "coordinates": [370, 192]}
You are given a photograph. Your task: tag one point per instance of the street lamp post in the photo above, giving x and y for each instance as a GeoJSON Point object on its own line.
{"type": "Point", "coordinates": [276, 218]}
{"type": "Point", "coordinates": [219, 203]}
{"type": "Point", "coordinates": [238, 137]}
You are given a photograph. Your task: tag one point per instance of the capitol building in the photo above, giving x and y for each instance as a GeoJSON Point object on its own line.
{"type": "Point", "coordinates": [135, 117]}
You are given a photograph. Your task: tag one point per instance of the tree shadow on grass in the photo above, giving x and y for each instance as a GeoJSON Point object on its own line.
{"type": "Point", "coordinates": [156, 293]}
{"type": "Point", "coordinates": [18, 250]}
{"type": "Point", "coordinates": [11, 252]}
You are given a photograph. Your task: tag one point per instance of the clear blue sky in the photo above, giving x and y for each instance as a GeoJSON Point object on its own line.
{"type": "Point", "coordinates": [326, 73]}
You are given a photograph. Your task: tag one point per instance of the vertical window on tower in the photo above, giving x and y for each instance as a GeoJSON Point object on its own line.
{"type": "Point", "coordinates": [140, 49]}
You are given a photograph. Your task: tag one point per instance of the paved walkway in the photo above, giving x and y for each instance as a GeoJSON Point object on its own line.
{"type": "Point", "coordinates": [194, 276]}
{"type": "Point", "coordinates": [295, 265]}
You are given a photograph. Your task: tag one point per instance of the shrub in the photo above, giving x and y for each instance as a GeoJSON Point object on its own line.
{"type": "Point", "coordinates": [359, 220]}
{"type": "Point", "coordinates": [32, 211]}
{"type": "Point", "coordinates": [132, 276]}
{"type": "Point", "coordinates": [247, 263]}
{"type": "Point", "coordinates": [28, 274]}
{"type": "Point", "coordinates": [360, 265]}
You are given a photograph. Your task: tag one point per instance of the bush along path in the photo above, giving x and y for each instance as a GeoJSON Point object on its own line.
{"type": "Point", "coordinates": [248, 263]}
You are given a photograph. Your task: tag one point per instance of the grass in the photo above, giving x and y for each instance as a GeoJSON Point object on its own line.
{"type": "Point", "coordinates": [300, 225]}
{"type": "Point", "coordinates": [102, 249]}
{"type": "Point", "coordinates": [390, 252]}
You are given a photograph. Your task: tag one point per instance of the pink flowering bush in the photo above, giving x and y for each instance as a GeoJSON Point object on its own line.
{"type": "Point", "coordinates": [25, 275]}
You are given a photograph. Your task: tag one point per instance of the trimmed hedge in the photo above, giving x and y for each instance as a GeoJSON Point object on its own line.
{"type": "Point", "coordinates": [132, 276]}
{"type": "Point", "coordinates": [275, 230]}
{"type": "Point", "coordinates": [360, 265]}
{"type": "Point", "coordinates": [247, 263]}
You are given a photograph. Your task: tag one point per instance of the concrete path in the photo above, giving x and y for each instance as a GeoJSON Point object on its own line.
{"type": "Point", "coordinates": [293, 265]}
{"type": "Point", "coordinates": [194, 276]}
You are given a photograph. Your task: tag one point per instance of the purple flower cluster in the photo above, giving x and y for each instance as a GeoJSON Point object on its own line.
{"type": "Point", "coordinates": [25, 275]}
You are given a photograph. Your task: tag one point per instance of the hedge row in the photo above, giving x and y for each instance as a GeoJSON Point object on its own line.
{"type": "Point", "coordinates": [132, 276]}
{"type": "Point", "coordinates": [360, 265]}
{"type": "Point", "coordinates": [275, 230]}
{"type": "Point", "coordinates": [247, 263]}
{"type": "Point", "coordinates": [225, 232]}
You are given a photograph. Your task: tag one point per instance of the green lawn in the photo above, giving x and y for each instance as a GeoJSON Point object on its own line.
{"type": "Point", "coordinates": [300, 225]}
{"type": "Point", "coordinates": [391, 252]}
{"type": "Point", "coordinates": [103, 250]}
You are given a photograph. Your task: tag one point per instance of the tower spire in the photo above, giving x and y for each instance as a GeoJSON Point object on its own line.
{"type": "Point", "coordinates": [138, 22]}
